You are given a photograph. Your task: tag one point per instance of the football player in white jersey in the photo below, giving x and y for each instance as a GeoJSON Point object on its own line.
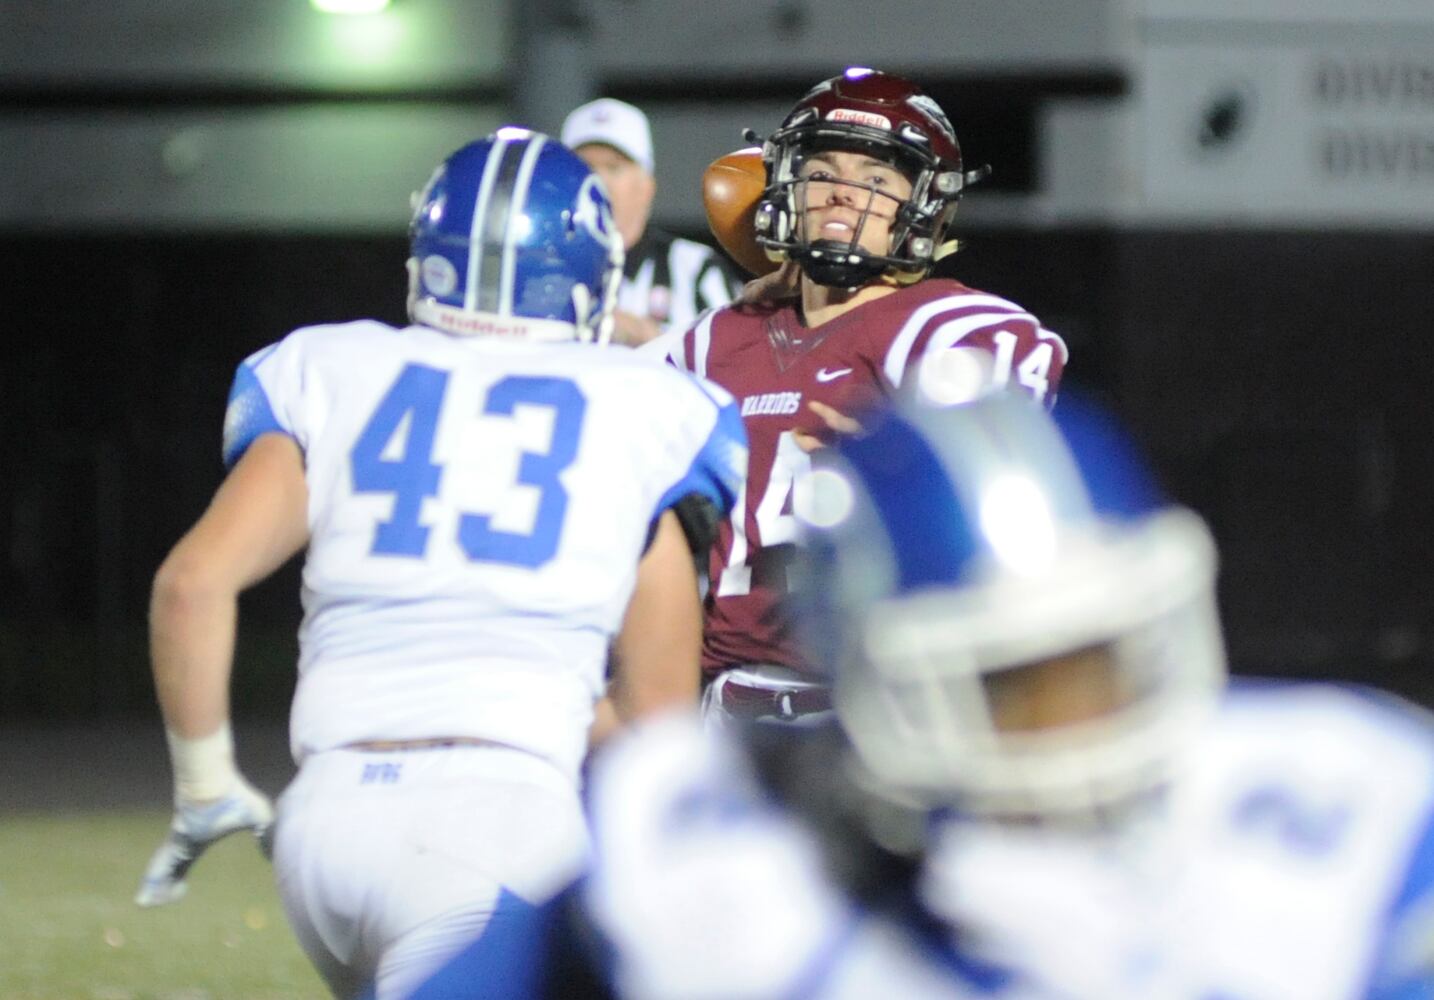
{"type": "Point", "coordinates": [1054, 791]}
{"type": "Point", "coordinates": [487, 506]}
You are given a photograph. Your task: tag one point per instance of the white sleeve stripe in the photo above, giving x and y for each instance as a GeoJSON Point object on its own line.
{"type": "Point", "coordinates": [951, 333]}
{"type": "Point", "coordinates": [899, 353]}
{"type": "Point", "coordinates": [1045, 334]}
{"type": "Point", "coordinates": [701, 344]}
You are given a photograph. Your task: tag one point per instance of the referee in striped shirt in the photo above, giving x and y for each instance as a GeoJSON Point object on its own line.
{"type": "Point", "coordinates": [667, 281]}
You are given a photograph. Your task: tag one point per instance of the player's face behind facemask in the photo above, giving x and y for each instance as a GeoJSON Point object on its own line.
{"type": "Point", "coordinates": [1015, 623]}
{"type": "Point", "coordinates": [881, 116]}
{"type": "Point", "coordinates": [513, 236]}
{"type": "Point", "coordinates": [1071, 689]}
{"type": "Point", "coordinates": [848, 201]}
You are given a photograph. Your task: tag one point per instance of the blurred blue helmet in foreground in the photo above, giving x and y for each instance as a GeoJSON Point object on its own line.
{"type": "Point", "coordinates": [513, 236]}
{"type": "Point", "coordinates": [1014, 619]}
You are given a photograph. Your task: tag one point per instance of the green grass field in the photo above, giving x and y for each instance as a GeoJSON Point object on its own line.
{"type": "Point", "coordinates": [69, 929]}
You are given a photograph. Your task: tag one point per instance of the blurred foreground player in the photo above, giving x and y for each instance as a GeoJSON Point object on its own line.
{"type": "Point", "coordinates": [486, 503]}
{"type": "Point", "coordinates": [860, 186]}
{"type": "Point", "coordinates": [1040, 747]}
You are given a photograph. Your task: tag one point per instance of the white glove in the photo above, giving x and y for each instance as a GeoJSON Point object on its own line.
{"type": "Point", "coordinates": [195, 827]}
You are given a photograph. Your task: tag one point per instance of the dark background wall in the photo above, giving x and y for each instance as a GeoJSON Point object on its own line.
{"type": "Point", "coordinates": [122, 350]}
{"type": "Point", "coordinates": [1276, 379]}
{"type": "Point", "coordinates": [167, 207]}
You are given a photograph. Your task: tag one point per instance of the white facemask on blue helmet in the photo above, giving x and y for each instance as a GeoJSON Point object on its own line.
{"type": "Point", "coordinates": [513, 236]}
{"type": "Point", "coordinates": [950, 549]}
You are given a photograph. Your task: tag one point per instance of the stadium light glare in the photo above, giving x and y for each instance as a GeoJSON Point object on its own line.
{"type": "Point", "coordinates": [367, 44]}
{"type": "Point", "coordinates": [349, 6]}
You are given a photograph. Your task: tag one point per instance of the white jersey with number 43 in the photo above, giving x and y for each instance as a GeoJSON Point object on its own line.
{"type": "Point", "coordinates": [477, 511]}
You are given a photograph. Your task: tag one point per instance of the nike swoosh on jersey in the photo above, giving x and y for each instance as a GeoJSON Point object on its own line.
{"type": "Point", "coordinates": [826, 376]}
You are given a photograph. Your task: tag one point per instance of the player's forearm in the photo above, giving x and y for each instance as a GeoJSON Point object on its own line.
{"type": "Point", "coordinates": [663, 678]}
{"type": "Point", "coordinates": [659, 648]}
{"type": "Point", "coordinates": [256, 521]}
{"type": "Point", "coordinates": [191, 626]}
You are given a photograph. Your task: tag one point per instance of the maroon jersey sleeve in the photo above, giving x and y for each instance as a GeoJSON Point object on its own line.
{"type": "Point", "coordinates": [1019, 351]}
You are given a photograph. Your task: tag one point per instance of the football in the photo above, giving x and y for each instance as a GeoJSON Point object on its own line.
{"type": "Point", "coordinates": [731, 187]}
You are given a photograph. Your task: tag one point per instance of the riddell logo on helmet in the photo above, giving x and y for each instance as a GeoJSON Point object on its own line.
{"type": "Point", "coordinates": [855, 117]}
{"type": "Point", "coordinates": [462, 322]}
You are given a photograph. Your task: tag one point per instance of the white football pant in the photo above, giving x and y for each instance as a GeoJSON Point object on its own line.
{"type": "Point", "coordinates": [390, 863]}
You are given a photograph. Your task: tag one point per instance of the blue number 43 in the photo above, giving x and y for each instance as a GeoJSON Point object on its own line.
{"type": "Point", "coordinates": [416, 397]}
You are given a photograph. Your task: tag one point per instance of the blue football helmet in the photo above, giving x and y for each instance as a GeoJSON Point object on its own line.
{"type": "Point", "coordinates": [514, 236]}
{"type": "Point", "coordinates": [961, 555]}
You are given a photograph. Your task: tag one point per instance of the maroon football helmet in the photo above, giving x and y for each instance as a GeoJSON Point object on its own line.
{"type": "Point", "coordinates": [866, 111]}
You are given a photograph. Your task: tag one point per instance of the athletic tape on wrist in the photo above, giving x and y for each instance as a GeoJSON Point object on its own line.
{"type": "Point", "coordinates": [204, 767]}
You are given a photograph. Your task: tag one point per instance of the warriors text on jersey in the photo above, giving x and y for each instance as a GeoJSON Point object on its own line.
{"type": "Point", "coordinates": [776, 367]}
{"type": "Point", "coordinates": [472, 550]}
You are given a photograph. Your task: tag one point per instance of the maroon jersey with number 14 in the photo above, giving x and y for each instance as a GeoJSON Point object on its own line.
{"type": "Point", "coordinates": [774, 366]}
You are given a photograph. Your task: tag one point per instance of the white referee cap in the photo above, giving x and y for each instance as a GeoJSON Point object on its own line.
{"type": "Point", "coordinates": [613, 123]}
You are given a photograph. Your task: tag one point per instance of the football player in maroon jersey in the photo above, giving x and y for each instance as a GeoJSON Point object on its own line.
{"type": "Point", "coordinates": [860, 187]}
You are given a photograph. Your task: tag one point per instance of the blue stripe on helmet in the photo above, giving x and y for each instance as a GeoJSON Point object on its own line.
{"type": "Point", "coordinates": [916, 501]}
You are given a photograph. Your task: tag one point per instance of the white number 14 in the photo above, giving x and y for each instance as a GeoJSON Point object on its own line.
{"type": "Point", "coordinates": [1032, 372]}
{"type": "Point", "coordinates": [773, 526]}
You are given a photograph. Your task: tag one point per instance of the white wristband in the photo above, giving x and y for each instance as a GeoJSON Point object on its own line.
{"type": "Point", "coordinates": [203, 768]}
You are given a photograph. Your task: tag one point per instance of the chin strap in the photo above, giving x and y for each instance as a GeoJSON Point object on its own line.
{"type": "Point", "coordinates": [836, 266]}
{"type": "Point", "coordinates": [946, 249]}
